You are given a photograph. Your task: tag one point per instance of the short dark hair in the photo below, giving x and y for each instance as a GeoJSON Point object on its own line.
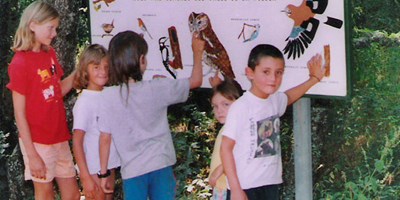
{"type": "Point", "coordinates": [263, 50]}
{"type": "Point", "coordinates": [125, 50]}
{"type": "Point", "coordinates": [229, 88]}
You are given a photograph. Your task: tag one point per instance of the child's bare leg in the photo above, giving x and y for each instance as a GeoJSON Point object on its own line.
{"type": "Point", "coordinates": [68, 188]}
{"type": "Point", "coordinates": [43, 191]}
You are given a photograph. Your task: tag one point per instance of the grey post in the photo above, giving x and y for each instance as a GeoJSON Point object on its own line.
{"type": "Point", "coordinates": [302, 149]}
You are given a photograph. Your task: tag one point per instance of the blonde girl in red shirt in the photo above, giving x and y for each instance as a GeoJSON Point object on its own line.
{"type": "Point", "coordinates": [37, 92]}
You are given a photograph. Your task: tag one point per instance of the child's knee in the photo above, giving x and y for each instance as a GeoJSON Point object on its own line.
{"type": "Point", "coordinates": [43, 190]}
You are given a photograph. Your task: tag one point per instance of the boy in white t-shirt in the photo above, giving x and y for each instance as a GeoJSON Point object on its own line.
{"type": "Point", "coordinates": [250, 150]}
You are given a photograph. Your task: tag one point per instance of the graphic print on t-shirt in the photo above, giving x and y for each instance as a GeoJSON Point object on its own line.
{"type": "Point", "coordinates": [47, 78]}
{"type": "Point", "coordinates": [268, 143]}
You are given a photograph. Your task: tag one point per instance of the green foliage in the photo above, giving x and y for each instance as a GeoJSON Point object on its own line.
{"type": "Point", "coordinates": [374, 177]}
{"type": "Point", "coordinates": [193, 134]}
{"type": "Point", "coordinates": [376, 15]}
{"type": "Point", "coordinates": [3, 156]}
{"type": "Point", "coordinates": [362, 143]}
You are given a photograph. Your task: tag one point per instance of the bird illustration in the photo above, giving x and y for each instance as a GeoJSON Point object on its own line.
{"type": "Point", "coordinates": [251, 30]}
{"type": "Point", "coordinates": [142, 26]}
{"type": "Point", "coordinates": [214, 54]}
{"type": "Point", "coordinates": [105, 1]}
{"type": "Point", "coordinates": [107, 28]}
{"type": "Point", "coordinates": [97, 5]}
{"type": "Point", "coordinates": [306, 19]}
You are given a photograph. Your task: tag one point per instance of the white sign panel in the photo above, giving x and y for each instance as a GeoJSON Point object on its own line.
{"type": "Point", "coordinates": [300, 28]}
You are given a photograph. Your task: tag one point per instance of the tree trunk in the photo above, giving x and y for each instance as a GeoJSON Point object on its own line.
{"type": "Point", "coordinates": [66, 42]}
{"type": "Point", "coordinates": [9, 17]}
{"type": "Point", "coordinates": [67, 36]}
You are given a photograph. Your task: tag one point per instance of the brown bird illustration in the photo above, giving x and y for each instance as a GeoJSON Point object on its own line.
{"type": "Point", "coordinates": [143, 27]}
{"type": "Point", "coordinates": [97, 5]}
{"type": "Point", "coordinates": [306, 19]}
{"type": "Point", "coordinates": [108, 28]}
{"type": "Point", "coordinates": [105, 1]}
{"type": "Point", "coordinates": [215, 54]}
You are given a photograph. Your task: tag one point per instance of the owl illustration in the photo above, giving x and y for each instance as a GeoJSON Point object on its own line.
{"type": "Point", "coordinates": [215, 54]}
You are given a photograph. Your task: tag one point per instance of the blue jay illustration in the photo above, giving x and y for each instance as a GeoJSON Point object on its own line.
{"type": "Point", "coordinates": [306, 19]}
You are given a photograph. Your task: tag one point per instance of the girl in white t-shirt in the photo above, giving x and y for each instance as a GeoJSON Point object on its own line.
{"type": "Point", "coordinates": [224, 94]}
{"type": "Point", "coordinates": [91, 77]}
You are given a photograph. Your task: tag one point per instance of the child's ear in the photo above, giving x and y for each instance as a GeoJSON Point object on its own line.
{"type": "Point", "coordinates": [249, 73]}
{"type": "Point", "coordinates": [32, 26]}
{"type": "Point", "coordinates": [143, 63]}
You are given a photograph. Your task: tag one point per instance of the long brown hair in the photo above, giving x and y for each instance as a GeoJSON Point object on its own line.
{"type": "Point", "coordinates": [125, 50]}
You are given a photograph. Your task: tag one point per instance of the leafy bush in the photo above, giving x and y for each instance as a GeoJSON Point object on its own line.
{"type": "Point", "coordinates": [361, 139]}
{"type": "Point", "coordinates": [376, 15]}
{"type": "Point", "coordinates": [3, 157]}
{"type": "Point", "coordinates": [194, 134]}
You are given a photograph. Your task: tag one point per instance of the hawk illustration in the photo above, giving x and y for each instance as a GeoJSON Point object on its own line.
{"type": "Point", "coordinates": [306, 19]}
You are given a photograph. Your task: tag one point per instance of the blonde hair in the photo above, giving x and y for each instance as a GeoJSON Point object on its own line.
{"type": "Point", "coordinates": [39, 12]}
{"type": "Point", "coordinates": [91, 55]}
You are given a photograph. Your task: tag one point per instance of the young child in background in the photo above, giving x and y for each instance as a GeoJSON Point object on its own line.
{"type": "Point", "coordinates": [224, 94]}
{"type": "Point", "coordinates": [91, 77]}
{"type": "Point", "coordinates": [250, 150]}
{"type": "Point", "coordinates": [134, 114]}
{"type": "Point", "coordinates": [37, 92]}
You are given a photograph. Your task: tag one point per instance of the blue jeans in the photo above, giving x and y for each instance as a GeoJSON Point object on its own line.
{"type": "Point", "coordinates": [157, 185]}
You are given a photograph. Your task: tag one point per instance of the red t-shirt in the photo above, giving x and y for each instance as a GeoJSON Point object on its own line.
{"type": "Point", "coordinates": [33, 75]}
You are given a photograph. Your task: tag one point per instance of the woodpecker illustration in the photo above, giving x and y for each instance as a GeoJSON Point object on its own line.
{"type": "Point", "coordinates": [306, 19]}
{"type": "Point", "coordinates": [142, 26]}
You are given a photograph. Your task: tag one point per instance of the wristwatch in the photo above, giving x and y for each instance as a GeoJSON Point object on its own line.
{"type": "Point", "coordinates": [107, 174]}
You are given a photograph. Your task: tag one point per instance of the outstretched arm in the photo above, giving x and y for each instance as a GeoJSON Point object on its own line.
{"type": "Point", "coordinates": [66, 83]}
{"type": "Point", "coordinates": [196, 78]}
{"type": "Point", "coordinates": [316, 74]}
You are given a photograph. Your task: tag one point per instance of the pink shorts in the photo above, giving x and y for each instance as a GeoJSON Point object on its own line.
{"type": "Point", "coordinates": [57, 158]}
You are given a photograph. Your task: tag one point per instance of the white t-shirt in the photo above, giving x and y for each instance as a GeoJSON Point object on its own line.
{"type": "Point", "coordinates": [254, 125]}
{"type": "Point", "coordinates": [86, 116]}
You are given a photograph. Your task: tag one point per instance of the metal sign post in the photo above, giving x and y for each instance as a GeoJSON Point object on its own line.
{"type": "Point", "coordinates": [302, 149]}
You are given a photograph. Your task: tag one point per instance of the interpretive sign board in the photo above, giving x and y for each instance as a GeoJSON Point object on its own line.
{"type": "Point", "coordinates": [300, 28]}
